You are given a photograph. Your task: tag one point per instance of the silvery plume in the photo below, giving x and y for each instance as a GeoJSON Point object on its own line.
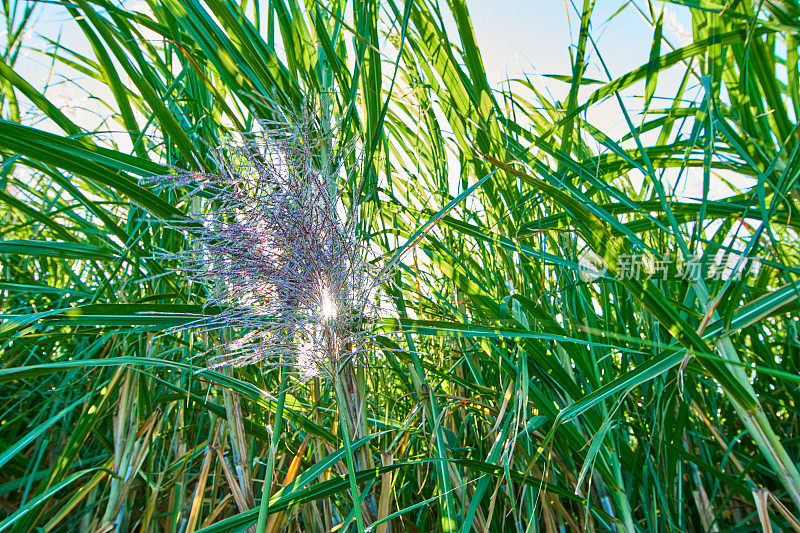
{"type": "Point", "coordinates": [277, 249]}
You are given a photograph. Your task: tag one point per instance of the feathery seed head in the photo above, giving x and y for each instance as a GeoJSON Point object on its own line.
{"type": "Point", "coordinates": [277, 249]}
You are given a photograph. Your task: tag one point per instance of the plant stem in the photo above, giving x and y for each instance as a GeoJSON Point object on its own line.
{"type": "Point", "coordinates": [273, 449]}
{"type": "Point", "coordinates": [348, 454]}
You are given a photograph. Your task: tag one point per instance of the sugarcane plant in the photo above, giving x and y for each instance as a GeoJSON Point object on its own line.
{"type": "Point", "coordinates": [191, 335]}
{"type": "Point", "coordinates": [289, 282]}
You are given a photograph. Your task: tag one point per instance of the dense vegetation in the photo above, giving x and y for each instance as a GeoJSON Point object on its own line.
{"type": "Point", "coordinates": [567, 342]}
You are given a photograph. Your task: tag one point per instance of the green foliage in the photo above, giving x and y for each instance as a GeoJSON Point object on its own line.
{"type": "Point", "coordinates": [509, 389]}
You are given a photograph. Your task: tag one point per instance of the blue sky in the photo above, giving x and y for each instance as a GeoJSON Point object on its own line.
{"type": "Point", "coordinates": [535, 37]}
{"type": "Point", "coordinates": [520, 36]}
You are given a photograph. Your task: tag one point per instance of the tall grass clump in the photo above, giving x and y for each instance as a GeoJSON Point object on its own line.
{"type": "Point", "coordinates": [427, 303]}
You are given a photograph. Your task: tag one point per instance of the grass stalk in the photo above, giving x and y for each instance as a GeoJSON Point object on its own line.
{"type": "Point", "coordinates": [345, 404]}
{"type": "Point", "coordinates": [263, 509]}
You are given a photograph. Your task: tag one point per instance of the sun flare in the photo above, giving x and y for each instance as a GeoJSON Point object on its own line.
{"type": "Point", "coordinates": [327, 306]}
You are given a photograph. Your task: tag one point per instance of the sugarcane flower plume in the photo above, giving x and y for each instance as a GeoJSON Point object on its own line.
{"type": "Point", "coordinates": [275, 244]}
